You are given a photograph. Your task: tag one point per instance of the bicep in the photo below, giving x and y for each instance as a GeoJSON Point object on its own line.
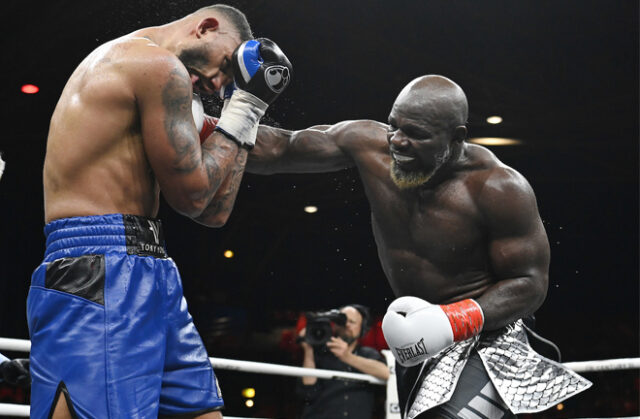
{"type": "Point", "coordinates": [518, 245]}
{"type": "Point", "coordinates": [320, 148]}
{"type": "Point", "coordinates": [168, 131]}
{"type": "Point", "coordinates": [169, 135]}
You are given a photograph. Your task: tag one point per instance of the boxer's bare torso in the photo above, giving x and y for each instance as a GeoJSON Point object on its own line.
{"type": "Point", "coordinates": [450, 239]}
{"type": "Point", "coordinates": [123, 131]}
{"type": "Point", "coordinates": [95, 161]}
{"type": "Point", "coordinates": [432, 241]}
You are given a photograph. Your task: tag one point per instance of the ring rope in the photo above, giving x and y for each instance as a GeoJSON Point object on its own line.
{"type": "Point", "coordinates": [22, 411]}
{"type": "Point", "coordinates": [278, 369]}
{"type": "Point", "coordinates": [22, 345]}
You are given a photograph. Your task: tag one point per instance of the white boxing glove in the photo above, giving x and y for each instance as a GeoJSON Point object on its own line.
{"type": "Point", "coordinates": [416, 330]}
{"type": "Point", "coordinates": [205, 124]}
{"type": "Point", "coordinates": [197, 109]}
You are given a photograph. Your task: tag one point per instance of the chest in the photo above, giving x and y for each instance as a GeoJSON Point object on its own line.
{"type": "Point", "coordinates": [439, 221]}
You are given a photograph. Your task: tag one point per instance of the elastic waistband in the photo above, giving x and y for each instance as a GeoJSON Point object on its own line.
{"type": "Point", "coordinates": [101, 234]}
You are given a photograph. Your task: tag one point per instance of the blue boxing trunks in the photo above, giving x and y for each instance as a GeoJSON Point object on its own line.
{"type": "Point", "coordinates": [109, 325]}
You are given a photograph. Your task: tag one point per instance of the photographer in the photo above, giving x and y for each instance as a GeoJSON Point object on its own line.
{"type": "Point", "coordinates": [339, 351]}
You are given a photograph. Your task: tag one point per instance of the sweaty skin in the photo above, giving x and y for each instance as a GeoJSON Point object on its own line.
{"type": "Point", "coordinates": [122, 130]}
{"type": "Point", "coordinates": [472, 230]}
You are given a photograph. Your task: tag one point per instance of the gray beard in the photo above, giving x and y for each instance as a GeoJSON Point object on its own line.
{"type": "Point", "coordinates": [405, 179]}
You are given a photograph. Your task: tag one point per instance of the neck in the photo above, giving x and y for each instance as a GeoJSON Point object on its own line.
{"type": "Point", "coordinates": [454, 163]}
{"type": "Point", "coordinates": [165, 36]}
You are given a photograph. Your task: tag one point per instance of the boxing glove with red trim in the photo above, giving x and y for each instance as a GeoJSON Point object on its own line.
{"type": "Point", "coordinates": [205, 124]}
{"type": "Point", "coordinates": [416, 330]}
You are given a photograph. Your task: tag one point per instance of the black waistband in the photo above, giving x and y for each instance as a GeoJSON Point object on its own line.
{"type": "Point", "coordinates": [144, 236]}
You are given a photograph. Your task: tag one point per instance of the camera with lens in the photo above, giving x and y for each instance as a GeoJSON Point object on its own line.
{"type": "Point", "coordinates": [320, 326]}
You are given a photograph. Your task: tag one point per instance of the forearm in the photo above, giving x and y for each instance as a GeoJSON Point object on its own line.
{"type": "Point", "coordinates": [271, 146]}
{"type": "Point", "coordinates": [312, 150]}
{"type": "Point", "coordinates": [219, 209]}
{"type": "Point", "coordinates": [367, 366]}
{"type": "Point", "coordinates": [309, 362]}
{"type": "Point", "coordinates": [511, 299]}
{"type": "Point", "coordinates": [218, 157]}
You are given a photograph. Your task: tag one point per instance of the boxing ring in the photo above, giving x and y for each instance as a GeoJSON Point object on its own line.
{"type": "Point", "coordinates": [391, 404]}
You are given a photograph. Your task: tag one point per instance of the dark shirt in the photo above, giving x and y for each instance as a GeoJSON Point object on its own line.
{"type": "Point", "coordinates": [336, 399]}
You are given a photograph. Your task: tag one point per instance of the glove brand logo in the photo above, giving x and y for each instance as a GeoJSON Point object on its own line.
{"type": "Point", "coordinates": [413, 351]}
{"type": "Point", "coordinates": [277, 77]}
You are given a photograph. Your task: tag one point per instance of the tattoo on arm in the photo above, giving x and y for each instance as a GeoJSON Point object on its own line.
{"type": "Point", "coordinates": [224, 200]}
{"type": "Point", "coordinates": [213, 154]}
{"type": "Point", "coordinates": [176, 98]}
{"type": "Point", "coordinates": [215, 157]}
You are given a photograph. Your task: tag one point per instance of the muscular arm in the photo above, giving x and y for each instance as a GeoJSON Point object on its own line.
{"type": "Point", "coordinates": [518, 249]}
{"type": "Point", "coordinates": [321, 148]}
{"type": "Point", "coordinates": [189, 174]}
{"type": "Point", "coordinates": [219, 209]}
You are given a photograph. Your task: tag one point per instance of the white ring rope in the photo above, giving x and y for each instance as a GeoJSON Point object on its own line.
{"type": "Point", "coordinates": [19, 410]}
{"type": "Point", "coordinates": [277, 369]}
{"type": "Point", "coordinates": [604, 365]}
{"type": "Point", "coordinates": [22, 411]}
{"type": "Point", "coordinates": [17, 345]}
{"type": "Point", "coordinates": [22, 345]}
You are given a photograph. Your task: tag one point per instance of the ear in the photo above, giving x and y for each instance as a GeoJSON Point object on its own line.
{"type": "Point", "coordinates": [207, 25]}
{"type": "Point", "coordinates": [459, 133]}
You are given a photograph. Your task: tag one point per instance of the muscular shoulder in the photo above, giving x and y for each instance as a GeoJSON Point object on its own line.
{"type": "Point", "coordinates": [504, 181]}
{"type": "Point", "coordinates": [360, 135]}
{"type": "Point", "coordinates": [503, 193]}
{"type": "Point", "coordinates": [150, 65]}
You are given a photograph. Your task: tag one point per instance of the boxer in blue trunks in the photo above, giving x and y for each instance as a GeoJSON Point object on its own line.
{"type": "Point", "coordinates": [111, 334]}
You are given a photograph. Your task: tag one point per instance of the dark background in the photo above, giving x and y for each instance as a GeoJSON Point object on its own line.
{"type": "Point", "coordinates": [562, 74]}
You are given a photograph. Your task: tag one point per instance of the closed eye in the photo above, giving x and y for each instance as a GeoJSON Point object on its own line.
{"type": "Point", "coordinates": [417, 134]}
{"type": "Point", "coordinates": [226, 67]}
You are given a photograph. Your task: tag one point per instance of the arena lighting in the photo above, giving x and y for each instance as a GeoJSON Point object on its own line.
{"type": "Point", "coordinates": [494, 119]}
{"type": "Point", "coordinates": [249, 403]}
{"type": "Point", "coordinates": [249, 392]}
{"type": "Point", "coordinates": [228, 254]}
{"type": "Point", "coordinates": [559, 406]}
{"type": "Point", "coordinates": [29, 89]}
{"type": "Point", "coordinates": [495, 141]}
{"type": "Point", "coordinates": [310, 209]}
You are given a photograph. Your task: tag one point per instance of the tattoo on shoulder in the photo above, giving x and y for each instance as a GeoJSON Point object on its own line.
{"type": "Point", "coordinates": [176, 98]}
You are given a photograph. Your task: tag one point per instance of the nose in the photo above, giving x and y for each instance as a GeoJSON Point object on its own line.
{"type": "Point", "coordinates": [398, 140]}
{"type": "Point", "coordinates": [220, 80]}
{"type": "Point", "coordinates": [217, 83]}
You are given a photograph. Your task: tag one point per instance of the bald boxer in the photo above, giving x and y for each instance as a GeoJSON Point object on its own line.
{"type": "Point", "coordinates": [111, 334]}
{"type": "Point", "coordinates": [460, 240]}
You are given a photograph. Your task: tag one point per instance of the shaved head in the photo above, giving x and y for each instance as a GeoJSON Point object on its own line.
{"type": "Point", "coordinates": [434, 99]}
{"type": "Point", "coordinates": [233, 15]}
{"type": "Point", "coordinates": [427, 129]}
